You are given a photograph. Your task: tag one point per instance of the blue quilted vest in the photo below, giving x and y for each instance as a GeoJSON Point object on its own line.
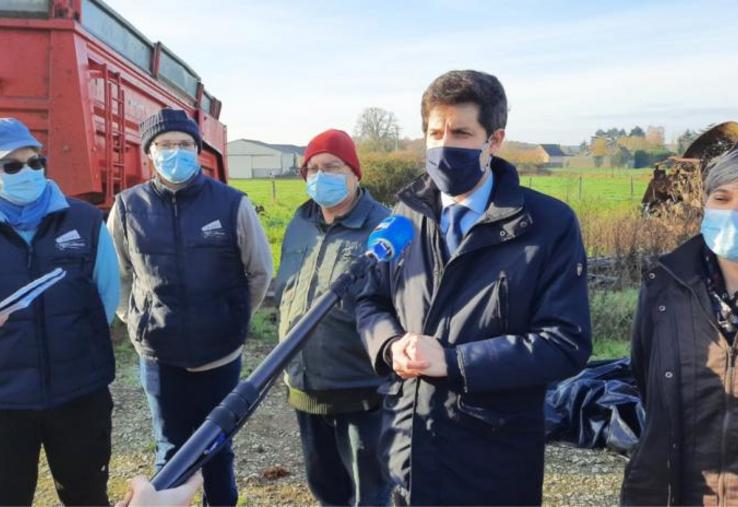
{"type": "Point", "coordinates": [59, 348]}
{"type": "Point", "coordinates": [189, 301]}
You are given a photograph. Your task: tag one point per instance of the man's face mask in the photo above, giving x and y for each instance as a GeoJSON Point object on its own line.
{"type": "Point", "coordinates": [23, 187]}
{"type": "Point", "coordinates": [455, 171]}
{"type": "Point", "coordinates": [176, 165]}
{"type": "Point", "coordinates": [327, 189]}
{"type": "Point", "coordinates": [720, 231]}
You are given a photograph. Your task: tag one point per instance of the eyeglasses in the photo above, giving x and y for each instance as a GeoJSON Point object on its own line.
{"type": "Point", "coordinates": [333, 167]}
{"type": "Point", "coordinates": [15, 166]}
{"type": "Point", "coordinates": [171, 145]}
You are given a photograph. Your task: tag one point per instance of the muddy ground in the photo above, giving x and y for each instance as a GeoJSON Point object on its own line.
{"type": "Point", "coordinates": [269, 457]}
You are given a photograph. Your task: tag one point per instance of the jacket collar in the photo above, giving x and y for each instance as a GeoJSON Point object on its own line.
{"type": "Point", "coordinates": [685, 263]}
{"type": "Point", "coordinates": [506, 198]}
{"type": "Point", "coordinates": [191, 188]}
{"type": "Point", "coordinates": [355, 219]}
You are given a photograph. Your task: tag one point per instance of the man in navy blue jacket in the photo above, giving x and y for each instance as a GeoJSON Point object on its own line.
{"type": "Point", "coordinates": [195, 264]}
{"type": "Point", "coordinates": [485, 307]}
{"type": "Point", "coordinates": [56, 358]}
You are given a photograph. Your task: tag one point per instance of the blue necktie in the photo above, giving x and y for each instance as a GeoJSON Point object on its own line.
{"type": "Point", "coordinates": [454, 234]}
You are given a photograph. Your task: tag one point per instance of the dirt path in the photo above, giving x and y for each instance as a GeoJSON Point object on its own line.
{"type": "Point", "coordinates": [269, 457]}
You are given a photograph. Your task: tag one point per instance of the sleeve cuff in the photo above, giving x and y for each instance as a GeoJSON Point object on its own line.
{"type": "Point", "coordinates": [386, 352]}
{"type": "Point", "coordinates": [455, 379]}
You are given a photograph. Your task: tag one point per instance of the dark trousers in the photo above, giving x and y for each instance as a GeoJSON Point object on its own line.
{"type": "Point", "coordinates": [342, 460]}
{"type": "Point", "coordinates": [179, 401]}
{"type": "Point", "coordinates": [76, 439]}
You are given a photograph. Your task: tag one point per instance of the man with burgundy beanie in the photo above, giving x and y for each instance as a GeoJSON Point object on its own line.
{"type": "Point", "coordinates": [331, 383]}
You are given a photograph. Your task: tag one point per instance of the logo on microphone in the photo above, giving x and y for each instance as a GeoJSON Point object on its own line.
{"type": "Point", "coordinates": [390, 237]}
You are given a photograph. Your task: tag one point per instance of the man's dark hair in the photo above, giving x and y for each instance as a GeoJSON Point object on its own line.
{"type": "Point", "coordinates": [470, 86]}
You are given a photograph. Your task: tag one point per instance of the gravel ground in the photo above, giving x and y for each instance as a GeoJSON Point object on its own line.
{"type": "Point", "coordinates": [269, 457]}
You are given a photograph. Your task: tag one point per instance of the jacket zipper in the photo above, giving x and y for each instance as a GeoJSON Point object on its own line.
{"type": "Point", "coordinates": [318, 258]}
{"type": "Point", "coordinates": [438, 271]}
{"type": "Point", "coordinates": [180, 267]}
{"type": "Point", "coordinates": [40, 327]}
{"type": "Point", "coordinates": [726, 423]}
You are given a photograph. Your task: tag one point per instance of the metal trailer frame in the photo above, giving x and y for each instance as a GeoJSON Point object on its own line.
{"type": "Point", "coordinates": [82, 78]}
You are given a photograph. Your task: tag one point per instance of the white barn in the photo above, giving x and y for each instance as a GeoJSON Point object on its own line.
{"type": "Point", "coordinates": [248, 158]}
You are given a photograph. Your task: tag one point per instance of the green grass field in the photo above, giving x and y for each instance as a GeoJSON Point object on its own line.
{"type": "Point", "coordinates": [603, 189]}
{"type": "Point", "coordinates": [290, 193]}
{"type": "Point", "coordinates": [598, 190]}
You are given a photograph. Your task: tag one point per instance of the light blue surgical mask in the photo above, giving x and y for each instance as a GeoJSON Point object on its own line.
{"type": "Point", "coordinates": [720, 230]}
{"type": "Point", "coordinates": [327, 189]}
{"type": "Point", "coordinates": [177, 165]}
{"type": "Point", "coordinates": [23, 187]}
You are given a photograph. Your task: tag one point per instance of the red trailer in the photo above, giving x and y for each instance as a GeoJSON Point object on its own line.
{"type": "Point", "coordinates": [82, 79]}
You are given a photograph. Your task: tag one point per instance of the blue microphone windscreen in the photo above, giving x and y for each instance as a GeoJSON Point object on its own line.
{"type": "Point", "coordinates": [390, 237]}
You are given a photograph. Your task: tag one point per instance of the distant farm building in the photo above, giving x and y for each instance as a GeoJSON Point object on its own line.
{"type": "Point", "coordinates": [248, 159]}
{"type": "Point", "coordinates": [557, 157]}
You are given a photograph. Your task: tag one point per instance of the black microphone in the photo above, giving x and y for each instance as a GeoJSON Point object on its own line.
{"type": "Point", "coordinates": [384, 244]}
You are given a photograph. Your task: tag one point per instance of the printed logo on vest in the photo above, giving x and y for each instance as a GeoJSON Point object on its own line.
{"type": "Point", "coordinates": [70, 241]}
{"type": "Point", "coordinates": [213, 230]}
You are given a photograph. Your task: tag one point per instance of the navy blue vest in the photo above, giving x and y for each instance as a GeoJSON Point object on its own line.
{"type": "Point", "coordinates": [189, 300]}
{"type": "Point", "coordinates": [59, 348]}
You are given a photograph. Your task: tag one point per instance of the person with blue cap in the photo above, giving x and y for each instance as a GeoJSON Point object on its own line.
{"type": "Point", "coordinates": [195, 264]}
{"type": "Point", "coordinates": [56, 357]}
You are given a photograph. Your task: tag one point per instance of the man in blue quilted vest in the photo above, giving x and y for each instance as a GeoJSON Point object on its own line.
{"type": "Point", "coordinates": [56, 358]}
{"type": "Point", "coordinates": [195, 264]}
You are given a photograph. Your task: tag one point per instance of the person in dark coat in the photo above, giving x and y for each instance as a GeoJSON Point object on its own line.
{"type": "Point", "coordinates": [331, 384]}
{"type": "Point", "coordinates": [56, 357]}
{"type": "Point", "coordinates": [195, 265]}
{"type": "Point", "coordinates": [683, 359]}
{"type": "Point", "coordinates": [486, 306]}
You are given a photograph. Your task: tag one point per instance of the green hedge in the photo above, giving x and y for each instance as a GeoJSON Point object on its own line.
{"type": "Point", "coordinates": [384, 174]}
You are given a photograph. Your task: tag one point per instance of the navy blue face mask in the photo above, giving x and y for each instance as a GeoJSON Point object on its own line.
{"type": "Point", "coordinates": [455, 171]}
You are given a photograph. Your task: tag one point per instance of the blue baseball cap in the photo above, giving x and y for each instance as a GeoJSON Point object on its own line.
{"type": "Point", "coordinates": [15, 135]}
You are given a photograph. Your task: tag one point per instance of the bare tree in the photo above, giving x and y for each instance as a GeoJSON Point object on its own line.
{"type": "Point", "coordinates": [377, 129]}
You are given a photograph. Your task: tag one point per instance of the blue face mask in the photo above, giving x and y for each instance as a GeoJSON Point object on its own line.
{"type": "Point", "coordinates": [23, 187]}
{"type": "Point", "coordinates": [720, 230]}
{"type": "Point", "coordinates": [455, 171]}
{"type": "Point", "coordinates": [327, 189]}
{"type": "Point", "coordinates": [177, 165]}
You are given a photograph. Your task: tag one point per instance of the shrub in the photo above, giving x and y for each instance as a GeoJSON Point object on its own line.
{"type": "Point", "coordinates": [385, 174]}
{"type": "Point", "coordinates": [612, 313]}
{"type": "Point", "coordinates": [621, 244]}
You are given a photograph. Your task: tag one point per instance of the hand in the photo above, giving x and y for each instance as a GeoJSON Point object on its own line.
{"type": "Point", "coordinates": [404, 365]}
{"type": "Point", "coordinates": [3, 320]}
{"type": "Point", "coordinates": [429, 350]}
{"type": "Point", "coordinates": [142, 493]}
{"type": "Point", "coordinates": [414, 355]}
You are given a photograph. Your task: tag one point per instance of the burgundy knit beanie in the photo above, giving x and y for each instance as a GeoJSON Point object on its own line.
{"type": "Point", "coordinates": [335, 142]}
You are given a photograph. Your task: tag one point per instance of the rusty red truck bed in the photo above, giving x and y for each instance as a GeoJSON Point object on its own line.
{"type": "Point", "coordinates": [82, 78]}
